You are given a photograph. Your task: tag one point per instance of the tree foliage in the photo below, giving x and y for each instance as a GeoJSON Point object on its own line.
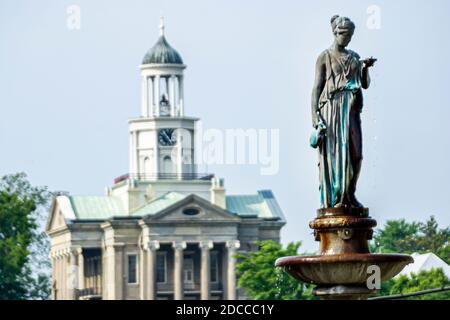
{"type": "Point", "coordinates": [23, 246]}
{"type": "Point", "coordinates": [424, 280]}
{"type": "Point", "coordinates": [409, 237]}
{"type": "Point", "coordinates": [261, 280]}
{"type": "Point", "coordinates": [400, 236]}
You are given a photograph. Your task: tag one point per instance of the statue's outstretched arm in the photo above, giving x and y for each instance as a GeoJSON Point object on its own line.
{"type": "Point", "coordinates": [365, 76]}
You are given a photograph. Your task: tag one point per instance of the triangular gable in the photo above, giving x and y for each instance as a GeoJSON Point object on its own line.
{"type": "Point", "coordinates": [158, 204]}
{"type": "Point", "coordinates": [60, 210]}
{"type": "Point", "coordinates": [208, 211]}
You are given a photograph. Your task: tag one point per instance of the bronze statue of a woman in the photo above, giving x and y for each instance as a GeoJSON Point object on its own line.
{"type": "Point", "coordinates": [337, 102]}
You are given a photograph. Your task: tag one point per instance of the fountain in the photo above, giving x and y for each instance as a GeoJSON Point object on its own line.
{"type": "Point", "coordinates": [343, 226]}
{"type": "Point", "coordinates": [340, 270]}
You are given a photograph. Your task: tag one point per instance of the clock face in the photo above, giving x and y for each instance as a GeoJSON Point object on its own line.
{"type": "Point", "coordinates": [167, 137]}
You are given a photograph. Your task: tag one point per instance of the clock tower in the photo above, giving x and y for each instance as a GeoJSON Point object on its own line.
{"type": "Point", "coordinates": [162, 138]}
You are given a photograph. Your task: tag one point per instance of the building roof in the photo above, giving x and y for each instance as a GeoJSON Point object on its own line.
{"type": "Point", "coordinates": [159, 204]}
{"type": "Point", "coordinates": [97, 207]}
{"type": "Point", "coordinates": [162, 53]}
{"type": "Point", "coordinates": [262, 205]}
{"type": "Point", "coordinates": [425, 262]}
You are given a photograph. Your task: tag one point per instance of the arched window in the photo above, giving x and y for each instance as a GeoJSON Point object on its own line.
{"type": "Point", "coordinates": [167, 165]}
{"type": "Point", "coordinates": [147, 166]}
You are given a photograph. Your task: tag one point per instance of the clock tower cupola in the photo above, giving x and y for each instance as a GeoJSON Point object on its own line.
{"type": "Point", "coordinates": [162, 138]}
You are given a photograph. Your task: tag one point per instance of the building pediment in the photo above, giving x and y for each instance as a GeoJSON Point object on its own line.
{"type": "Point", "coordinates": [59, 210]}
{"type": "Point", "coordinates": [193, 209]}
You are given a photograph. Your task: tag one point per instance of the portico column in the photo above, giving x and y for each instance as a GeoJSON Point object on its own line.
{"type": "Point", "coordinates": [205, 269]}
{"type": "Point", "coordinates": [232, 246]}
{"type": "Point", "coordinates": [116, 271]}
{"type": "Point", "coordinates": [52, 257]}
{"type": "Point", "coordinates": [59, 276]}
{"type": "Point", "coordinates": [80, 268]}
{"type": "Point", "coordinates": [152, 248]}
{"type": "Point", "coordinates": [178, 269]}
{"type": "Point", "coordinates": [143, 272]}
{"type": "Point", "coordinates": [72, 274]}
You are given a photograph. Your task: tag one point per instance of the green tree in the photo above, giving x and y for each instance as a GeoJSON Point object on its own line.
{"type": "Point", "coordinates": [261, 280]}
{"type": "Point", "coordinates": [23, 254]}
{"type": "Point", "coordinates": [396, 236]}
{"type": "Point", "coordinates": [433, 239]}
{"type": "Point", "coordinates": [433, 279]}
{"type": "Point", "coordinates": [409, 237]}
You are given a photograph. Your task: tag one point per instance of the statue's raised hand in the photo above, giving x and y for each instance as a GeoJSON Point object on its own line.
{"type": "Point", "coordinates": [369, 62]}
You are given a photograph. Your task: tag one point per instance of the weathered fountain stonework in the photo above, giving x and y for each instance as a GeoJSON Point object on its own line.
{"type": "Point", "coordinates": [340, 270]}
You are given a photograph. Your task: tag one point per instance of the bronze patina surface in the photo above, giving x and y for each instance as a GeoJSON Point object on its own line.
{"type": "Point", "coordinates": [343, 226]}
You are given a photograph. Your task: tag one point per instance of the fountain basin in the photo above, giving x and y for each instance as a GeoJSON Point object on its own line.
{"type": "Point", "coordinates": [342, 269]}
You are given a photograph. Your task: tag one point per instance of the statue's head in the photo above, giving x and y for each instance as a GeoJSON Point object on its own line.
{"type": "Point", "coordinates": [343, 29]}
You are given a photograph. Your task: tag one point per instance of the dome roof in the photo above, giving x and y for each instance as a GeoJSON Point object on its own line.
{"type": "Point", "coordinates": [162, 53]}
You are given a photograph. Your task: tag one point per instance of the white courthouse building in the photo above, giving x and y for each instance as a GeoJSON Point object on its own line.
{"type": "Point", "coordinates": [163, 231]}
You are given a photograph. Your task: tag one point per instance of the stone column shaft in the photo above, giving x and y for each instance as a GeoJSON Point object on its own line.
{"type": "Point", "coordinates": [232, 246]}
{"type": "Point", "coordinates": [178, 270]}
{"type": "Point", "coordinates": [80, 269]}
{"type": "Point", "coordinates": [172, 96]}
{"type": "Point", "coordinates": [157, 95]}
{"type": "Point", "coordinates": [143, 273]}
{"type": "Point", "coordinates": [145, 103]}
{"type": "Point", "coordinates": [181, 95]}
{"type": "Point", "coordinates": [205, 270]}
{"type": "Point", "coordinates": [116, 270]}
{"type": "Point", "coordinates": [153, 246]}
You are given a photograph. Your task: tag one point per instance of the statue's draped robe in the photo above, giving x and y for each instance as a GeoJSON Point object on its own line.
{"type": "Point", "coordinates": [340, 105]}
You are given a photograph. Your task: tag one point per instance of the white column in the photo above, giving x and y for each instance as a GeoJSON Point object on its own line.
{"type": "Point", "coordinates": [80, 268]}
{"type": "Point", "coordinates": [156, 156]}
{"type": "Point", "coordinates": [131, 152]}
{"type": "Point", "coordinates": [157, 96]}
{"type": "Point", "coordinates": [73, 273]}
{"type": "Point", "coordinates": [151, 112]}
{"type": "Point", "coordinates": [59, 277]}
{"type": "Point", "coordinates": [232, 246]}
{"type": "Point", "coordinates": [117, 271]}
{"type": "Point", "coordinates": [172, 96]}
{"type": "Point", "coordinates": [179, 164]}
{"type": "Point", "coordinates": [152, 248]}
{"type": "Point", "coordinates": [136, 153]}
{"type": "Point", "coordinates": [145, 96]}
{"type": "Point", "coordinates": [52, 283]}
{"type": "Point", "coordinates": [178, 269]}
{"type": "Point", "coordinates": [181, 96]}
{"type": "Point", "coordinates": [205, 270]}
{"type": "Point", "coordinates": [143, 272]}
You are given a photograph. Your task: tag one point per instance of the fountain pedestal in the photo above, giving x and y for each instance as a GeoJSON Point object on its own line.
{"type": "Point", "coordinates": [343, 265]}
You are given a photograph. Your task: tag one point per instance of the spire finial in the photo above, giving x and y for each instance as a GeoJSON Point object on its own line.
{"type": "Point", "coordinates": [161, 26]}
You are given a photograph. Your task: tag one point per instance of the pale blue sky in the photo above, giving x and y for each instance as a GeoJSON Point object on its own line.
{"type": "Point", "coordinates": [65, 96]}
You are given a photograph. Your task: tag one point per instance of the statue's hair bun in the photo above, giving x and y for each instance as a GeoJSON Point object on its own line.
{"type": "Point", "coordinates": [333, 18]}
